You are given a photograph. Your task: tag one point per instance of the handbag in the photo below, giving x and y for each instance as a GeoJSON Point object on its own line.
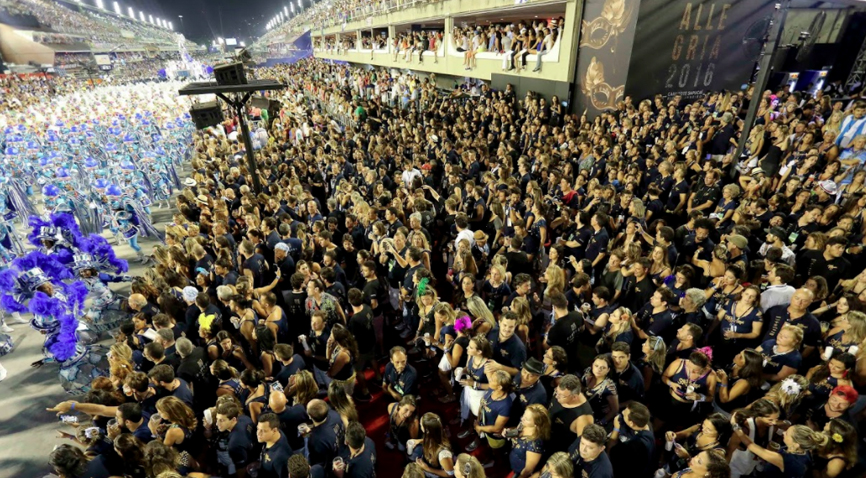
{"type": "Point", "coordinates": [444, 363]}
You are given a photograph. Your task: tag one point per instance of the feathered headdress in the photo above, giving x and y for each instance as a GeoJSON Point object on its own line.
{"type": "Point", "coordinates": [422, 286]}
{"type": "Point", "coordinates": [706, 351]}
{"type": "Point", "coordinates": [790, 387]}
{"type": "Point", "coordinates": [463, 323]}
{"type": "Point", "coordinates": [205, 321]}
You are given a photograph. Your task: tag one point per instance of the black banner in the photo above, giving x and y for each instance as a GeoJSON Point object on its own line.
{"type": "Point", "coordinates": [690, 47]}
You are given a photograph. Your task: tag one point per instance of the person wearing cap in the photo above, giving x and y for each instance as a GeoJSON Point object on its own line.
{"type": "Point", "coordinates": [825, 193]}
{"type": "Point", "coordinates": [527, 386]}
{"type": "Point", "coordinates": [828, 263]}
{"type": "Point", "coordinates": [778, 237]}
{"type": "Point", "coordinates": [838, 405]}
{"type": "Point", "coordinates": [737, 247]}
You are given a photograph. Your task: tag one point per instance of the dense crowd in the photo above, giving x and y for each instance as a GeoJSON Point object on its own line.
{"type": "Point", "coordinates": [552, 295]}
{"type": "Point", "coordinates": [90, 25]}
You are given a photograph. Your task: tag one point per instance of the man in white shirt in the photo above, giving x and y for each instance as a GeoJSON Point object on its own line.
{"type": "Point", "coordinates": [777, 237]}
{"type": "Point", "coordinates": [409, 174]}
{"type": "Point", "coordinates": [778, 292]}
{"type": "Point", "coordinates": [463, 232]}
{"type": "Point", "coordinates": [853, 125]}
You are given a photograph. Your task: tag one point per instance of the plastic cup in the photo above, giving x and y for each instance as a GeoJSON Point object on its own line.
{"type": "Point", "coordinates": [338, 463]}
{"type": "Point", "coordinates": [458, 373]}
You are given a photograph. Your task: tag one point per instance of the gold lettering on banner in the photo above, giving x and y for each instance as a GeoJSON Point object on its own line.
{"type": "Point", "coordinates": [612, 21]}
{"type": "Point", "coordinates": [602, 95]}
{"type": "Point", "coordinates": [696, 48]}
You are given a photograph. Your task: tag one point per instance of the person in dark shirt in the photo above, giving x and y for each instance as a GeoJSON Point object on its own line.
{"type": "Point", "coordinates": [639, 288]}
{"type": "Point", "coordinates": [509, 352]}
{"type": "Point", "coordinates": [235, 442]}
{"type": "Point", "coordinates": [527, 387]}
{"type": "Point", "coordinates": [295, 300]}
{"type": "Point", "coordinates": [588, 454]}
{"type": "Point", "coordinates": [400, 378]}
{"type": "Point", "coordinates": [275, 448]}
{"type": "Point", "coordinates": [163, 377]}
{"type": "Point", "coordinates": [358, 457]}
{"type": "Point", "coordinates": [130, 420]}
{"type": "Point", "coordinates": [285, 263]}
{"type": "Point", "coordinates": [631, 444]}
{"type": "Point", "coordinates": [292, 363]}
{"type": "Point", "coordinates": [796, 313]}
{"type": "Point", "coordinates": [828, 263]}
{"type": "Point", "coordinates": [192, 360]}
{"type": "Point", "coordinates": [596, 247]}
{"type": "Point", "coordinates": [564, 331]}
{"type": "Point", "coordinates": [361, 327]}
{"type": "Point", "coordinates": [325, 434]}
{"type": "Point", "coordinates": [290, 417]}
{"type": "Point", "coordinates": [254, 263]}
{"type": "Point", "coordinates": [629, 380]}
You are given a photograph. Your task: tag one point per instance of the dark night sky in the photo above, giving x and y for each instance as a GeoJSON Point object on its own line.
{"type": "Point", "coordinates": [205, 20]}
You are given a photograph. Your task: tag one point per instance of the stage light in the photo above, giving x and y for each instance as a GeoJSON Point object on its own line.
{"type": "Point", "coordinates": [170, 26]}
{"type": "Point", "coordinates": [141, 15]}
{"type": "Point", "coordinates": [100, 4]}
{"type": "Point", "coordinates": [150, 17]}
{"type": "Point", "coordinates": [301, 3]}
{"type": "Point", "coordinates": [131, 13]}
{"type": "Point", "coordinates": [286, 10]}
{"type": "Point", "coordinates": [117, 8]}
{"type": "Point", "coordinates": [243, 44]}
{"type": "Point", "coordinates": [293, 8]}
{"type": "Point", "coordinates": [220, 40]}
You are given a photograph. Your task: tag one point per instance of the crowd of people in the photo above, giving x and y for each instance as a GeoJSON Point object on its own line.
{"type": "Point", "coordinates": [552, 295]}
{"type": "Point", "coordinates": [89, 25]}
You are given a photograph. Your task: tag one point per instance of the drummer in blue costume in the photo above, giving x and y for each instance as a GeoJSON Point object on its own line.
{"type": "Point", "coordinates": [54, 314]}
{"type": "Point", "coordinates": [105, 313]}
{"type": "Point", "coordinates": [130, 219]}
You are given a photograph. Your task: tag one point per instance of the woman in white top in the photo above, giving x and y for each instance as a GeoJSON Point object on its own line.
{"type": "Point", "coordinates": [545, 48]}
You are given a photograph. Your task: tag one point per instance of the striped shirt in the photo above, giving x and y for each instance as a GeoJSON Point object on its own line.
{"type": "Point", "coordinates": [851, 127]}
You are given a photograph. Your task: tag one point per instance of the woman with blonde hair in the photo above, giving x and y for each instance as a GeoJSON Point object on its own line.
{"type": "Point", "coordinates": [303, 387]}
{"type": "Point", "coordinates": [616, 327]}
{"type": "Point", "coordinates": [788, 394]}
{"type": "Point", "coordinates": [469, 467]}
{"type": "Point", "coordinates": [528, 445]}
{"type": "Point", "coordinates": [555, 278]}
{"type": "Point", "coordinates": [174, 425]}
{"type": "Point", "coordinates": [521, 307]}
{"type": "Point", "coordinates": [480, 313]}
{"type": "Point", "coordinates": [782, 354]}
{"type": "Point", "coordinates": [791, 460]}
{"type": "Point", "coordinates": [559, 465]}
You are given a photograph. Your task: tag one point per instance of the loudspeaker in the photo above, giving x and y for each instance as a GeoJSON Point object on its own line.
{"type": "Point", "coordinates": [230, 74]}
{"type": "Point", "coordinates": [259, 102]}
{"type": "Point", "coordinates": [273, 106]}
{"type": "Point", "coordinates": [205, 115]}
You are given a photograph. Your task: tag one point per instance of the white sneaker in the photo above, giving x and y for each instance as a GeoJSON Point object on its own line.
{"type": "Point", "coordinates": [17, 319]}
{"type": "Point", "coordinates": [6, 329]}
{"type": "Point", "coordinates": [3, 373]}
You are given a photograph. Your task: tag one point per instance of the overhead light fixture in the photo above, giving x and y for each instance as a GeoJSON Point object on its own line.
{"type": "Point", "coordinates": [150, 17]}
{"type": "Point", "coordinates": [117, 8]}
{"type": "Point", "coordinates": [100, 4]}
{"type": "Point", "coordinates": [141, 15]}
{"type": "Point", "coordinates": [131, 12]}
